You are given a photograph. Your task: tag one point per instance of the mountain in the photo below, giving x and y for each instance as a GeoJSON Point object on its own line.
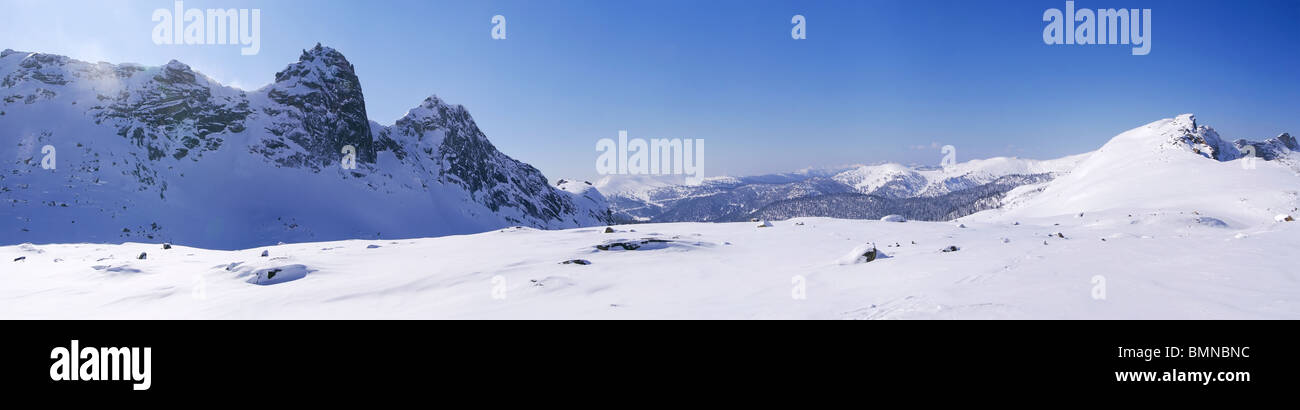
{"type": "Point", "coordinates": [168, 154]}
{"type": "Point", "coordinates": [1176, 153]}
{"type": "Point", "coordinates": [869, 191]}
{"type": "Point", "coordinates": [945, 207]}
{"type": "Point", "coordinates": [1176, 165]}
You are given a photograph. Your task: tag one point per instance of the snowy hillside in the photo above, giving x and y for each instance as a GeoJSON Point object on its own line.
{"type": "Point", "coordinates": [158, 154]}
{"type": "Point", "coordinates": [1171, 165]}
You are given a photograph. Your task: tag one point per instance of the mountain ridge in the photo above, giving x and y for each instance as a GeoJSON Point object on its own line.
{"type": "Point", "coordinates": [167, 154]}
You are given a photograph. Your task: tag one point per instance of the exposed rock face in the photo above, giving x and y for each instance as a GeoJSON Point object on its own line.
{"type": "Point", "coordinates": [1201, 139]}
{"type": "Point", "coordinates": [319, 107]}
{"type": "Point", "coordinates": [1269, 149]}
{"type": "Point", "coordinates": [175, 113]}
{"type": "Point", "coordinates": [444, 141]}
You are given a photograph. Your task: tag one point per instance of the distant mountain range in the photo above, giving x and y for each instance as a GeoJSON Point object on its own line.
{"type": "Point", "coordinates": [864, 192]}
{"type": "Point", "coordinates": [875, 191]}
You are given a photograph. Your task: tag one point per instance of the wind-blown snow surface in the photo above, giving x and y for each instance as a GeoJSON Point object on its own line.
{"type": "Point", "coordinates": [1154, 266]}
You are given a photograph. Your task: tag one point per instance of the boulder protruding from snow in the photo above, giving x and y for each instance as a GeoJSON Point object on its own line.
{"type": "Point", "coordinates": [277, 275]}
{"type": "Point", "coordinates": [862, 254]}
{"type": "Point", "coordinates": [1284, 218]}
{"type": "Point", "coordinates": [648, 243]}
{"type": "Point", "coordinates": [765, 224]}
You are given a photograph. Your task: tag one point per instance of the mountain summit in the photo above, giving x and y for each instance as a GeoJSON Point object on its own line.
{"type": "Point", "coordinates": [320, 108]}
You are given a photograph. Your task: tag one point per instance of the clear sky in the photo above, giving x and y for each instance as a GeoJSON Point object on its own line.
{"type": "Point", "coordinates": [874, 81]}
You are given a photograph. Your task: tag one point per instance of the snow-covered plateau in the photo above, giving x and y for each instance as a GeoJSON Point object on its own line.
{"type": "Point", "coordinates": [1167, 220]}
{"type": "Point", "coordinates": [1153, 264]}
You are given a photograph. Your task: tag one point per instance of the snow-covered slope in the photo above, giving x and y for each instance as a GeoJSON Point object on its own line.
{"type": "Point", "coordinates": [1158, 268]}
{"type": "Point", "coordinates": [166, 154]}
{"type": "Point", "coordinates": [1171, 165]}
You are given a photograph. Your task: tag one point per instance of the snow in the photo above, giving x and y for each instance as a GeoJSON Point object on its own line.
{"type": "Point", "coordinates": [1159, 267]}
{"type": "Point", "coordinates": [860, 253]}
{"type": "Point", "coordinates": [1148, 170]}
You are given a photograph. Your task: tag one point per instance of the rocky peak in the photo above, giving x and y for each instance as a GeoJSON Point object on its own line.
{"type": "Point", "coordinates": [434, 114]}
{"type": "Point", "coordinates": [1288, 141]}
{"type": "Point", "coordinates": [317, 63]}
{"type": "Point", "coordinates": [1201, 139]}
{"type": "Point", "coordinates": [176, 73]}
{"type": "Point", "coordinates": [322, 110]}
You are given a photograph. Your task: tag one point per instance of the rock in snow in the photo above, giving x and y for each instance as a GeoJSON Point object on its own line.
{"type": "Point", "coordinates": [861, 254]}
{"type": "Point", "coordinates": [448, 277]}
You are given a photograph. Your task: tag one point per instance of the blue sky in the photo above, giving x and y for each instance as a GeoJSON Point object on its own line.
{"type": "Point", "coordinates": [874, 81]}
